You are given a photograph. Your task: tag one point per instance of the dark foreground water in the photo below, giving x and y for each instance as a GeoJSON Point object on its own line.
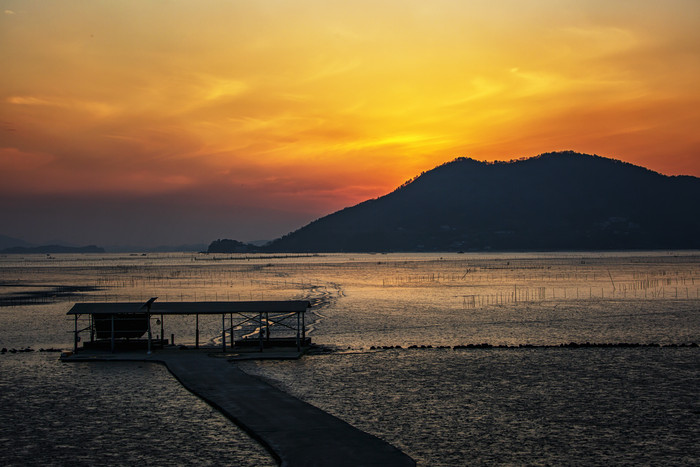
{"type": "Point", "coordinates": [512, 406]}
{"type": "Point", "coordinates": [88, 414]}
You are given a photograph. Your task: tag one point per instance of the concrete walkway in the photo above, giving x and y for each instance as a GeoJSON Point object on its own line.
{"type": "Point", "coordinates": [296, 433]}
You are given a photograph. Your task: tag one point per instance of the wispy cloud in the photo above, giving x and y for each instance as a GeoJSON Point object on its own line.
{"type": "Point", "coordinates": [30, 100]}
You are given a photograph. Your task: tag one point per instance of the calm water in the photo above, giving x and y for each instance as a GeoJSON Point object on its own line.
{"type": "Point", "coordinates": [114, 414]}
{"type": "Point", "coordinates": [441, 406]}
{"type": "Point", "coordinates": [546, 406]}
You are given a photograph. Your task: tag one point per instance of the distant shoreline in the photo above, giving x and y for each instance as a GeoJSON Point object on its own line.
{"type": "Point", "coordinates": [49, 249]}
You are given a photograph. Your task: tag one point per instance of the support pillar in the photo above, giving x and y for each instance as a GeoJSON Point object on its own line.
{"type": "Point", "coordinates": [230, 322]}
{"type": "Point", "coordinates": [298, 326]}
{"type": "Point", "coordinates": [148, 317]}
{"type": "Point", "coordinates": [196, 331]}
{"type": "Point", "coordinates": [75, 335]}
{"type": "Point", "coordinates": [260, 330]}
{"type": "Point", "coordinates": [112, 335]}
{"type": "Point", "coordinates": [223, 332]}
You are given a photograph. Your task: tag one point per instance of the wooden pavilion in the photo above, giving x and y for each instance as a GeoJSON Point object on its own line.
{"type": "Point", "coordinates": [259, 323]}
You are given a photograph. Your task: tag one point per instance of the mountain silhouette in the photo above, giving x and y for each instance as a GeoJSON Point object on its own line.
{"type": "Point", "coordinates": [9, 242]}
{"type": "Point", "coordinates": [555, 201]}
{"type": "Point", "coordinates": [48, 249]}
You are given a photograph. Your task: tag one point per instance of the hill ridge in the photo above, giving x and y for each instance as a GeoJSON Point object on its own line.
{"type": "Point", "coordinates": [553, 201]}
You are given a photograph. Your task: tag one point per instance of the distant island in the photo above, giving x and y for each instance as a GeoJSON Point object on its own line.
{"type": "Point", "coordinates": [554, 201]}
{"type": "Point", "coordinates": [8, 242]}
{"type": "Point", "coordinates": [50, 249]}
{"type": "Point", "coordinates": [231, 246]}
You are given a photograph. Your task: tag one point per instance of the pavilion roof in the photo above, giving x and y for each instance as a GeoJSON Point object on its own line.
{"type": "Point", "coordinates": [192, 308]}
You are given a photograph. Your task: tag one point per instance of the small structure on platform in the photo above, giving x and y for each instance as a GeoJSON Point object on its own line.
{"type": "Point", "coordinates": [253, 324]}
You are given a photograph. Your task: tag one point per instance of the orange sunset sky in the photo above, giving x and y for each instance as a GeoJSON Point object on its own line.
{"type": "Point", "coordinates": [144, 122]}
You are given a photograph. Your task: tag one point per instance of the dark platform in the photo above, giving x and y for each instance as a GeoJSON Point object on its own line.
{"type": "Point", "coordinates": [272, 342]}
{"type": "Point", "coordinates": [124, 344]}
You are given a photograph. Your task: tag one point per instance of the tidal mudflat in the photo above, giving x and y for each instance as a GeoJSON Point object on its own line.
{"type": "Point", "coordinates": [530, 403]}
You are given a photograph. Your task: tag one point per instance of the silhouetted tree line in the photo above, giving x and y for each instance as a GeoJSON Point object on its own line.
{"type": "Point", "coordinates": [231, 246]}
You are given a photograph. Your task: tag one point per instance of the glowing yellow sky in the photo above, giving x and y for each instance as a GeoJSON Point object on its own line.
{"type": "Point", "coordinates": [315, 105]}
